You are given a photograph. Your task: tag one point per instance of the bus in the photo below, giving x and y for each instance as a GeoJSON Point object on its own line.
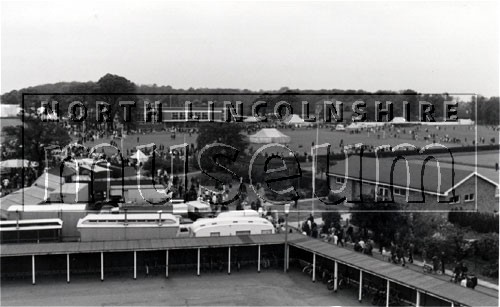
{"type": "Point", "coordinates": [133, 226]}
{"type": "Point", "coordinates": [68, 213]}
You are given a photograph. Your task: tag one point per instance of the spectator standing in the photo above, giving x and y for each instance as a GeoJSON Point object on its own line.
{"type": "Point", "coordinates": [442, 259]}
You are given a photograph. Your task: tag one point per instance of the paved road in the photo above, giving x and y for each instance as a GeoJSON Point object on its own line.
{"type": "Point", "coordinates": [269, 288]}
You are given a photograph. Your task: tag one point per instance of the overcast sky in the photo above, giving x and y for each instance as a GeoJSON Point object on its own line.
{"type": "Point", "coordinates": [430, 47]}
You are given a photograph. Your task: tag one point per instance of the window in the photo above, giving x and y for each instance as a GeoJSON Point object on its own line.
{"type": "Point", "coordinates": [175, 115]}
{"type": "Point", "coordinates": [383, 192]}
{"type": "Point", "coordinates": [455, 200]}
{"type": "Point", "coordinates": [215, 234]}
{"type": "Point", "coordinates": [204, 115]}
{"type": "Point", "coordinates": [243, 233]}
{"type": "Point", "coordinates": [401, 192]}
{"type": "Point", "coordinates": [340, 180]}
{"type": "Point", "coordinates": [266, 232]}
{"type": "Point", "coordinates": [182, 115]}
{"type": "Point", "coordinates": [469, 197]}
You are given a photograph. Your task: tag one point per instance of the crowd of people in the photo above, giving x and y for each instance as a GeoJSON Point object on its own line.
{"type": "Point", "coordinates": [12, 179]}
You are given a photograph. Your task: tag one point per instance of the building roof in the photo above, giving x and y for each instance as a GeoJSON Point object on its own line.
{"type": "Point", "coordinates": [23, 249]}
{"type": "Point", "coordinates": [350, 168]}
{"type": "Point", "coordinates": [427, 284]}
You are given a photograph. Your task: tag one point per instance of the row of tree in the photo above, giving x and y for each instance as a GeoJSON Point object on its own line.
{"type": "Point", "coordinates": [113, 88]}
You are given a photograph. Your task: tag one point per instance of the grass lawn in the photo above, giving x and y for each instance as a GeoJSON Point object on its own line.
{"type": "Point", "coordinates": [302, 139]}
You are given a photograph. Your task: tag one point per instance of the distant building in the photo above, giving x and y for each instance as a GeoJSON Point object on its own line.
{"type": "Point", "coordinates": [437, 183]}
{"type": "Point", "coordinates": [200, 113]}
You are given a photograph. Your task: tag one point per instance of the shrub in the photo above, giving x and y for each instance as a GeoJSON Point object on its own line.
{"type": "Point", "coordinates": [477, 221]}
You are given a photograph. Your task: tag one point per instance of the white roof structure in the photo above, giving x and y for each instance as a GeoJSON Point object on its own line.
{"type": "Point", "coordinates": [16, 163]}
{"type": "Point", "coordinates": [269, 135]}
{"type": "Point", "coordinates": [140, 156]}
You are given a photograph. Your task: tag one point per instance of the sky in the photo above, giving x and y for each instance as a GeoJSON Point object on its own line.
{"type": "Point", "coordinates": [431, 47]}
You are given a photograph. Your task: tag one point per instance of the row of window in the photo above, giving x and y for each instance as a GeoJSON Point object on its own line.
{"type": "Point", "coordinates": [467, 198]}
{"type": "Point", "coordinates": [385, 192]}
{"type": "Point", "coordinates": [215, 223]}
{"type": "Point", "coordinates": [243, 233]}
{"type": "Point", "coordinates": [182, 115]}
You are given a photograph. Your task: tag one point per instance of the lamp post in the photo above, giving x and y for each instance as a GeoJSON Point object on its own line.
{"type": "Point", "coordinates": [287, 210]}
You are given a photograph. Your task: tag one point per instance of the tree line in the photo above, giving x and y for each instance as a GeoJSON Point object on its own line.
{"type": "Point", "coordinates": [487, 108]}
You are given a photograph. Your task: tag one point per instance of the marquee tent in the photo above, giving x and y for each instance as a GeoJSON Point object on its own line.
{"type": "Point", "coordinates": [269, 135]}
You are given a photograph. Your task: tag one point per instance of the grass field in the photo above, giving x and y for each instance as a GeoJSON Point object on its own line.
{"type": "Point", "coordinates": [302, 139]}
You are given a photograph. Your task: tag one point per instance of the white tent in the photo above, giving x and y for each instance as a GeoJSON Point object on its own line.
{"type": "Point", "coordinates": [353, 126]}
{"type": "Point", "coordinates": [139, 156]}
{"type": "Point", "coordinates": [268, 135]}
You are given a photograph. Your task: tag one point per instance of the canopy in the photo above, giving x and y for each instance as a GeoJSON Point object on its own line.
{"type": "Point", "coordinates": [269, 136]}
{"type": "Point", "coordinates": [139, 156]}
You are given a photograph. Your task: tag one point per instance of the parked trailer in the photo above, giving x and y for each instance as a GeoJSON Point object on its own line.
{"type": "Point", "coordinates": [134, 226]}
{"type": "Point", "coordinates": [231, 226]}
{"type": "Point", "coordinates": [198, 209]}
{"type": "Point", "coordinates": [68, 213]}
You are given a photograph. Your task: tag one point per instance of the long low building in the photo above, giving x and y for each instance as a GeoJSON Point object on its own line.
{"type": "Point", "coordinates": [423, 186]}
{"type": "Point", "coordinates": [422, 288]}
